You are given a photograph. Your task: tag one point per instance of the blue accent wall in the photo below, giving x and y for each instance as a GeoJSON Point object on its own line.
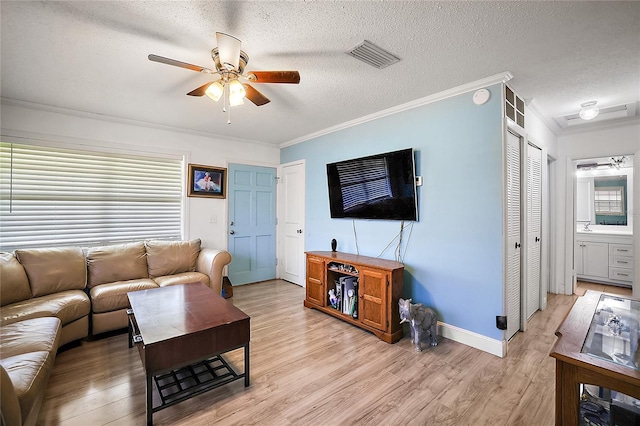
{"type": "Point", "coordinates": [453, 259]}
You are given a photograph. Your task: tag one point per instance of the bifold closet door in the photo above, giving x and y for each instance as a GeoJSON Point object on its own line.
{"type": "Point", "coordinates": [513, 235]}
{"type": "Point", "coordinates": [534, 228]}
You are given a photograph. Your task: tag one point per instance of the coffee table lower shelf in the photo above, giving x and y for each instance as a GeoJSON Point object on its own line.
{"type": "Point", "coordinates": [186, 382]}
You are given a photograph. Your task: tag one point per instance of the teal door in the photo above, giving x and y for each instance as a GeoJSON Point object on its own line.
{"type": "Point", "coordinates": [252, 223]}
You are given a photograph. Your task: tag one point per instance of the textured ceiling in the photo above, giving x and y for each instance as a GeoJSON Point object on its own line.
{"type": "Point", "coordinates": [92, 56]}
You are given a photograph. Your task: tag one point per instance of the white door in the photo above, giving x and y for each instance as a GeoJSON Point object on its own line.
{"type": "Point", "coordinates": [513, 235]}
{"type": "Point", "coordinates": [291, 222]}
{"type": "Point", "coordinates": [534, 228]}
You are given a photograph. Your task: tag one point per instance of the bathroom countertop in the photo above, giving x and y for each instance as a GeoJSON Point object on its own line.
{"type": "Point", "coordinates": [604, 232]}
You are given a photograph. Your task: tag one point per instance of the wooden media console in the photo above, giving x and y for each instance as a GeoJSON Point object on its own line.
{"type": "Point", "coordinates": [376, 286]}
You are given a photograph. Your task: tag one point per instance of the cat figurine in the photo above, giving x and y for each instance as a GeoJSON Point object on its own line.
{"type": "Point", "coordinates": [423, 322]}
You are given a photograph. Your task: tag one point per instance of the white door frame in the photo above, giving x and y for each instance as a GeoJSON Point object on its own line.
{"type": "Point", "coordinates": [571, 217]}
{"type": "Point", "coordinates": [636, 223]}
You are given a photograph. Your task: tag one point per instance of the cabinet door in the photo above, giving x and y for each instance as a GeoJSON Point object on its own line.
{"type": "Point", "coordinates": [373, 298]}
{"type": "Point", "coordinates": [315, 281]}
{"type": "Point", "coordinates": [595, 259]}
{"type": "Point", "coordinates": [579, 257]}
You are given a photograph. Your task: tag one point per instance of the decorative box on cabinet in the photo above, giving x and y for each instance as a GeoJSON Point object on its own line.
{"type": "Point", "coordinates": [379, 284]}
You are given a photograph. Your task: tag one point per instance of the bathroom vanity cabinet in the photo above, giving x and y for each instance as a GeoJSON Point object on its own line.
{"type": "Point", "coordinates": [604, 258]}
{"type": "Point", "coordinates": [592, 259]}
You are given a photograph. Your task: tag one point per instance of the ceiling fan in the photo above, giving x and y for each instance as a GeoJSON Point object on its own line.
{"type": "Point", "coordinates": [230, 62]}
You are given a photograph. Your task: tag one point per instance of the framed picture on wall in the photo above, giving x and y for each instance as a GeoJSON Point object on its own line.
{"type": "Point", "coordinates": [206, 181]}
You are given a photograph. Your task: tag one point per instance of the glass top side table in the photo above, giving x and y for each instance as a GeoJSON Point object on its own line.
{"type": "Point", "coordinates": [597, 345]}
{"type": "Point", "coordinates": [613, 333]}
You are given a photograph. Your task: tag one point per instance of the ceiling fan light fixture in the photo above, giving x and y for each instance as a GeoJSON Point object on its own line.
{"type": "Point", "coordinates": [589, 110]}
{"type": "Point", "coordinates": [236, 100]}
{"type": "Point", "coordinates": [229, 50]}
{"type": "Point", "coordinates": [215, 91]}
{"type": "Point", "coordinates": [236, 93]}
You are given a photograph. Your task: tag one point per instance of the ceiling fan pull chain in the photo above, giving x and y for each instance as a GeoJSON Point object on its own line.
{"type": "Point", "coordinates": [228, 103]}
{"type": "Point", "coordinates": [225, 97]}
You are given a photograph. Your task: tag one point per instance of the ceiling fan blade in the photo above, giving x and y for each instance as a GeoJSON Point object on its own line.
{"type": "Point", "coordinates": [168, 61]}
{"type": "Point", "coordinates": [255, 96]}
{"type": "Point", "coordinates": [200, 91]}
{"type": "Point", "coordinates": [292, 77]}
{"type": "Point", "coordinates": [229, 50]}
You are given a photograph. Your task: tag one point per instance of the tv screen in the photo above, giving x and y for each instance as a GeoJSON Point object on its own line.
{"type": "Point", "coordinates": [380, 186]}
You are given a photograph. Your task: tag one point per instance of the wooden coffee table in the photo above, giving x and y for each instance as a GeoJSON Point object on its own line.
{"type": "Point", "coordinates": [181, 332]}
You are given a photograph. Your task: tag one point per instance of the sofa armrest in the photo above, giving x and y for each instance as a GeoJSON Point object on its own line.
{"type": "Point", "coordinates": [10, 413]}
{"type": "Point", "coordinates": [212, 263]}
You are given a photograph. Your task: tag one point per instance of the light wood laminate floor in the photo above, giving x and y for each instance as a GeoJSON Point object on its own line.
{"type": "Point", "coordinates": [308, 368]}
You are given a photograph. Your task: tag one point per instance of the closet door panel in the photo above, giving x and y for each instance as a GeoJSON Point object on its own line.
{"type": "Point", "coordinates": [513, 235]}
{"type": "Point", "coordinates": [534, 228]}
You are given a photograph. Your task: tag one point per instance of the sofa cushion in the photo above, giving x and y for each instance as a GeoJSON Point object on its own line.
{"type": "Point", "coordinates": [27, 352]}
{"type": "Point", "coordinates": [184, 278]}
{"type": "Point", "coordinates": [29, 374]}
{"type": "Point", "coordinates": [67, 306]}
{"type": "Point", "coordinates": [120, 262]}
{"type": "Point", "coordinates": [14, 284]}
{"type": "Point", "coordinates": [31, 335]}
{"type": "Point", "coordinates": [113, 296]}
{"type": "Point", "coordinates": [171, 257]}
{"type": "Point", "coordinates": [52, 270]}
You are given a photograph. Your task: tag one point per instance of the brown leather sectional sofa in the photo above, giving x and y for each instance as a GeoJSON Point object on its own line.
{"type": "Point", "coordinates": [53, 296]}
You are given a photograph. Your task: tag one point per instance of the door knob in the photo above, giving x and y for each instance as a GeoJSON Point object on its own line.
{"type": "Point", "coordinates": [537, 239]}
{"type": "Point", "coordinates": [517, 244]}
{"type": "Point", "coordinates": [232, 232]}
{"type": "Point", "coordinates": [299, 231]}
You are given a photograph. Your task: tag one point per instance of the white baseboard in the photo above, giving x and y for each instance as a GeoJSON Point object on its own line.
{"type": "Point", "coordinates": [475, 340]}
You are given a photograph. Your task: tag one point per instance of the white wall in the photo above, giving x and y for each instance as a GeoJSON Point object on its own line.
{"type": "Point", "coordinates": [61, 126]}
{"type": "Point", "coordinates": [623, 139]}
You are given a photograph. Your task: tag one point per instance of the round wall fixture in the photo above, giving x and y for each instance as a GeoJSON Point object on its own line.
{"type": "Point", "coordinates": [481, 96]}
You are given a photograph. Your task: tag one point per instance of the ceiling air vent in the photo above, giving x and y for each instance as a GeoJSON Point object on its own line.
{"type": "Point", "coordinates": [373, 55]}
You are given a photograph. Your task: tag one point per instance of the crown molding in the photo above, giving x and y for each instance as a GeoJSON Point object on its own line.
{"type": "Point", "coordinates": [468, 87]}
{"type": "Point", "coordinates": [533, 107]}
{"type": "Point", "coordinates": [121, 120]}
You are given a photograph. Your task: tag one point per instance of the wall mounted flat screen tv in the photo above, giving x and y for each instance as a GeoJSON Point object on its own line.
{"type": "Point", "coordinates": [380, 186]}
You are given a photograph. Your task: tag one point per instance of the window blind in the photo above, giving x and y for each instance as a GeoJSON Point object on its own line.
{"type": "Point", "coordinates": [609, 201]}
{"type": "Point", "coordinates": [53, 196]}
